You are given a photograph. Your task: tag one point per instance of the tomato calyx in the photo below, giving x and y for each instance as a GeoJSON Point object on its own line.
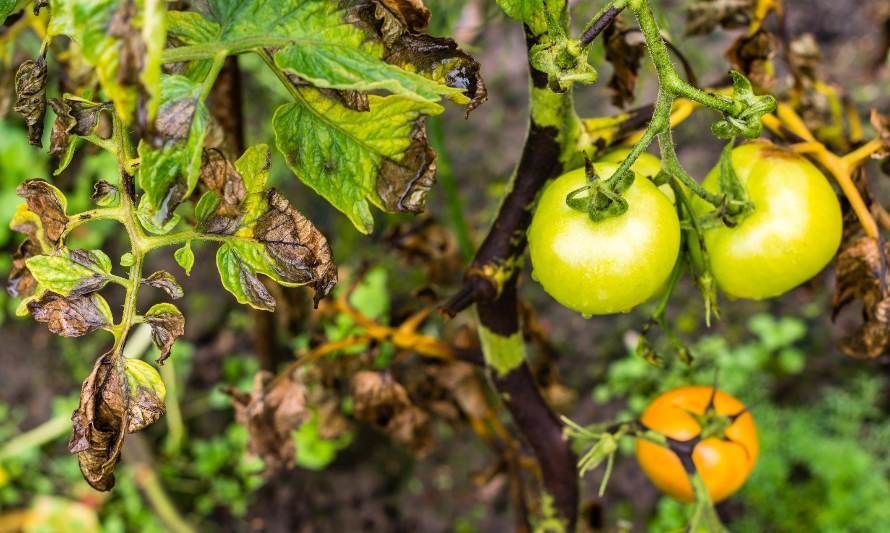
{"type": "Point", "coordinates": [599, 198]}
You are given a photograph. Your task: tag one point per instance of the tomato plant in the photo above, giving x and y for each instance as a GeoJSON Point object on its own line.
{"type": "Point", "coordinates": [264, 137]}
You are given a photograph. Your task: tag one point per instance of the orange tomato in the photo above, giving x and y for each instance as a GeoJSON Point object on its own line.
{"type": "Point", "coordinates": [724, 465]}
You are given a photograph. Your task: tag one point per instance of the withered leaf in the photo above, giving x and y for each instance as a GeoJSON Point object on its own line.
{"type": "Point", "coordinates": [384, 403]}
{"type": "Point", "coordinates": [397, 23]}
{"type": "Point", "coordinates": [625, 60]}
{"type": "Point", "coordinates": [21, 283]}
{"type": "Point", "coordinates": [300, 251]}
{"type": "Point", "coordinates": [403, 185]}
{"type": "Point", "coordinates": [30, 102]}
{"type": "Point", "coordinates": [73, 117]}
{"type": "Point", "coordinates": [881, 124]}
{"type": "Point", "coordinates": [270, 415]}
{"type": "Point", "coordinates": [752, 55]}
{"type": "Point", "coordinates": [424, 242]}
{"type": "Point", "coordinates": [100, 422]}
{"type": "Point", "coordinates": [43, 200]}
{"type": "Point", "coordinates": [174, 121]}
{"type": "Point", "coordinates": [132, 51]}
{"type": "Point", "coordinates": [703, 16]}
{"type": "Point", "coordinates": [219, 175]}
{"type": "Point", "coordinates": [167, 324]}
{"type": "Point", "coordinates": [105, 194]}
{"type": "Point", "coordinates": [146, 392]}
{"type": "Point", "coordinates": [166, 282]}
{"type": "Point", "coordinates": [71, 317]}
{"type": "Point", "coordinates": [804, 57]}
{"type": "Point", "coordinates": [862, 274]}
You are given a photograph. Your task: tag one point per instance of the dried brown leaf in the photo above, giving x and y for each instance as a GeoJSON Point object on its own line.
{"type": "Point", "coordinates": [73, 117]}
{"type": "Point", "coordinates": [43, 201]}
{"type": "Point", "coordinates": [862, 274]}
{"type": "Point", "coordinates": [270, 416]}
{"type": "Point", "coordinates": [704, 16]}
{"type": "Point", "coordinates": [424, 242]}
{"type": "Point", "coordinates": [30, 102]}
{"type": "Point", "coordinates": [404, 184]}
{"type": "Point", "coordinates": [100, 422]}
{"type": "Point", "coordinates": [384, 403]}
{"type": "Point", "coordinates": [167, 324]}
{"type": "Point", "coordinates": [300, 251]}
{"type": "Point", "coordinates": [881, 124]}
{"type": "Point", "coordinates": [219, 175]}
{"type": "Point", "coordinates": [166, 282]}
{"type": "Point", "coordinates": [752, 56]}
{"type": "Point", "coordinates": [70, 317]}
{"type": "Point", "coordinates": [625, 60]}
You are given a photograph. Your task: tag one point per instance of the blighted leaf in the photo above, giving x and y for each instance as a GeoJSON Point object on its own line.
{"type": "Point", "coordinates": [270, 414]}
{"type": "Point", "coordinates": [426, 243]}
{"type": "Point", "coordinates": [342, 153]}
{"type": "Point", "coordinates": [73, 273]}
{"type": "Point", "coordinates": [703, 16]}
{"type": "Point", "coordinates": [396, 24]}
{"type": "Point", "coordinates": [625, 59]}
{"type": "Point", "coordinates": [49, 205]}
{"type": "Point", "coordinates": [101, 422]}
{"type": "Point", "coordinates": [881, 124]}
{"type": "Point", "coordinates": [752, 56]}
{"type": "Point", "coordinates": [185, 257]}
{"type": "Point", "coordinates": [105, 194]}
{"type": "Point", "coordinates": [167, 324]}
{"type": "Point", "coordinates": [170, 158]}
{"type": "Point", "coordinates": [403, 186]}
{"type": "Point", "coordinates": [862, 275]}
{"type": "Point", "coordinates": [21, 283]}
{"type": "Point", "coordinates": [101, 28]}
{"type": "Point", "coordinates": [237, 263]}
{"type": "Point", "coordinates": [219, 211]}
{"type": "Point", "coordinates": [301, 253]}
{"type": "Point", "coordinates": [166, 282]}
{"type": "Point", "coordinates": [74, 116]}
{"type": "Point", "coordinates": [30, 97]}
{"type": "Point", "coordinates": [146, 395]}
{"type": "Point", "coordinates": [384, 403]}
{"type": "Point", "coordinates": [71, 317]}
{"type": "Point", "coordinates": [804, 57]}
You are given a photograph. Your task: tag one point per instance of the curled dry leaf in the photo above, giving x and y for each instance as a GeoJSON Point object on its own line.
{"type": "Point", "coordinates": [424, 242]}
{"type": "Point", "coordinates": [74, 116]}
{"type": "Point", "coordinates": [100, 422]}
{"type": "Point", "coordinates": [703, 16]}
{"type": "Point", "coordinates": [146, 395]}
{"type": "Point", "coordinates": [862, 274]}
{"type": "Point", "coordinates": [625, 60]}
{"type": "Point", "coordinates": [48, 204]}
{"type": "Point", "coordinates": [384, 403]}
{"type": "Point", "coordinates": [167, 324]}
{"type": "Point", "coordinates": [398, 25]}
{"type": "Point", "coordinates": [881, 124]}
{"type": "Point", "coordinates": [71, 317]}
{"type": "Point", "coordinates": [105, 194]}
{"type": "Point", "coordinates": [403, 185]}
{"type": "Point", "coordinates": [270, 415]}
{"type": "Point", "coordinates": [804, 57]}
{"type": "Point", "coordinates": [300, 251]}
{"type": "Point", "coordinates": [166, 282]}
{"type": "Point", "coordinates": [30, 92]}
{"type": "Point", "coordinates": [221, 177]}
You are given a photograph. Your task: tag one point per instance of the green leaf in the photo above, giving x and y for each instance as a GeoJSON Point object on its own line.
{"type": "Point", "coordinates": [350, 157]}
{"type": "Point", "coordinates": [239, 262]}
{"type": "Point", "coordinates": [169, 165]}
{"type": "Point", "coordinates": [64, 276]}
{"type": "Point", "coordinates": [185, 257]}
{"type": "Point", "coordinates": [6, 8]}
{"type": "Point", "coordinates": [147, 393]}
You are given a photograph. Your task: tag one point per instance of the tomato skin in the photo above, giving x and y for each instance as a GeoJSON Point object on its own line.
{"type": "Point", "coordinates": [792, 234]}
{"type": "Point", "coordinates": [608, 266]}
{"type": "Point", "coordinates": [723, 465]}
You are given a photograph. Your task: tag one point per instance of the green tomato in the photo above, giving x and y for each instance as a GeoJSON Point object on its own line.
{"type": "Point", "coordinates": [793, 232]}
{"type": "Point", "coordinates": [609, 266]}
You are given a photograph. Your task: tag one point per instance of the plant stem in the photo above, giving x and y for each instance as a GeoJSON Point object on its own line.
{"type": "Point", "coordinates": [238, 46]}
{"type": "Point", "coordinates": [46, 432]}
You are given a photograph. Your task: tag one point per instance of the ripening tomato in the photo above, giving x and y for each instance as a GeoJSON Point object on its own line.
{"type": "Point", "coordinates": [793, 232]}
{"type": "Point", "coordinates": [724, 465]}
{"type": "Point", "coordinates": [608, 266]}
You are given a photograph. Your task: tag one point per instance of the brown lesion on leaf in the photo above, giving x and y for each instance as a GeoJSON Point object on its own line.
{"type": "Point", "coordinates": [300, 251]}
{"type": "Point", "coordinates": [398, 24]}
{"type": "Point", "coordinates": [625, 58]}
{"type": "Point", "coordinates": [862, 274]}
{"type": "Point", "coordinates": [166, 282]}
{"type": "Point", "coordinates": [73, 316]}
{"type": "Point", "coordinates": [73, 117]}
{"type": "Point", "coordinates": [752, 56]}
{"type": "Point", "coordinates": [30, 102]}
{"type": "Point", "coordinates": [166, 327]}
{"type": "Point", "coordinates": [101, 422]}
{"type": "Point", "coordinates": [403, 185]}
{"type": "Point", "coordinates": [219, 175]}
{"type": "Point", "coordinates": [384, 403]}
{"type": "Point", "coordinates": [43, 201]}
